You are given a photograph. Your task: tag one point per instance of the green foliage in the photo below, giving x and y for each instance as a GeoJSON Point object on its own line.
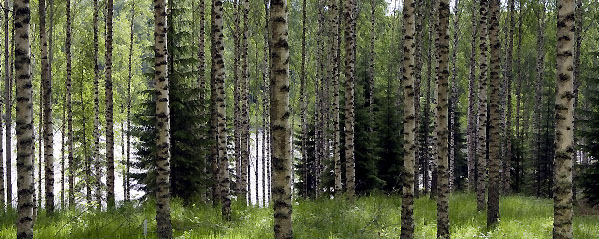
{"type": "Point", "coordinates": [304, 168]}
{"type": "Point", "coordinates": [365, 217]}
{"type": "Point", "coordinates": [189, 141]}
{"type": "Point", "coordinates": [589, 134]}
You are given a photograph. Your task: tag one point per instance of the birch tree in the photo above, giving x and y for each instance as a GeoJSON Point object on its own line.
{"type": "Point", "coordinates": [279, 115]}
{"type": "Point", "coordinates": [407, 210]}
{"type": "Point", "coordinates": [24, 119]}
{"type": "Point", "coordinates": [564, 106]}
{"type": "Point", "coordinates": [163, 216]}
{"type": "Point", "coordinates": [47, 98]}
{"type": "Point", "coordinates": [442, 127]}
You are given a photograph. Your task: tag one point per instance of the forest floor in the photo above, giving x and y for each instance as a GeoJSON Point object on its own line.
{"type": "Point", "coordinates": [365, 217]}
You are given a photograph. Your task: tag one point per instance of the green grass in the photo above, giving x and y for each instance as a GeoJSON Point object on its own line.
{"type": "Point", "coordinates": [366, 217]}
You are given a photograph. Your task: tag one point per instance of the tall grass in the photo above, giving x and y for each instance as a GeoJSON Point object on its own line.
{"type": "Point", "coordinates": [376, 216]}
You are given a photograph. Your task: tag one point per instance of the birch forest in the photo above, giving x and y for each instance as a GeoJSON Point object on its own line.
{"type": "Point", "coordinates": [307, 119]}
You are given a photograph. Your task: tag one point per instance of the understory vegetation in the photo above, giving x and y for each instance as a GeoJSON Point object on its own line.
{"type": "Point", "coordinates": [376, 216]}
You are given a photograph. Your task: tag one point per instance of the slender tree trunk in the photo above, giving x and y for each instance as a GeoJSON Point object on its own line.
{"type": "Point", "coordinates": [109, 109]}
{"type": "Point", "coordinates": [24, 121]}
{"type": "Point", "coordinates": [62, 155]}
{"type": "Point", "coordinates": [303, 100]}
{"type": "Point", "coordinates": [6, 68]}
{"type": "Point", "coordinates": [318, 101]}
{"type": "Point", "coordinates": [538, 93]}
{"type": "Point", "coordinates": [577, 50]}
{"type": "Point", "coordinates": [434, 101]}
{"type": "Point", "coordinates": [419, 5]}
{"type": "Point", "coordinates": [482, 109]}
{"type": "Point", "coordinates": [263, 158]}
{"type": "Point", "coordinates": [201, 49]}
{"type": "Point", "coordinates": [40, 147]}
{"type": "Point", "coordinates": [214, 164]}
{"type": "Point", "coordinates": [266, 107]}
{"type": "Point", "coordinates": [336, 38]}
{"type": "Point", "coordinates": [472, 107]}
{"type": "Point", "coordinates": [69, 89]}
{"type": "Point", "coordinates": [96, 152]}
{"type": "Point", "coordinates": [7, 118]}
{"type": "Point", "coordinates": [129, 78]}
{"type": "Point", "coordinates": [407, 210]}
{"type": "Point", "coordinates": [241, 181]}
{"type": "Point", "coordinates": [425, 134]}
{"type": "Point", "coordinates": [564, 106]}
{"type": "Point", "coordinates": [123, 156]}
{"type": "Point", "coordinates": [371, 81]}
{"type": "Point", "coordinates": [518, 99]}
{"type": "Point", "coordinates": [245, 123]}
{"type": "Point", "coordinates": [279, 115]}
{"type": "Point", "coordinates": [508, 127]}
{"type": "Point", "coordinates": [47, 97]}
{"type": "Point", "coordinates": [218, 76]}
{"type": "Point", "coordinates": [87, 159]}
{"type": "Point", "coordinates": [163, 217]}
{"type": "Point", "coordinates": [442, 127]}
{"type": "Point", "coordinates": [494, 116]}
{"type": "Point", "coordinates": [257, 146]}
{"type": "Point", "coordinates": [350, 59]}
{"type": "Point", "coordinates": [453, 101]}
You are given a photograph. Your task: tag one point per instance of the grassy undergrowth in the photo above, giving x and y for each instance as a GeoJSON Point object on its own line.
{"type": "Point", "coordinates": [366, 217]}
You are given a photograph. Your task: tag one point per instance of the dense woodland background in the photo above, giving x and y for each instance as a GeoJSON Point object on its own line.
{"type": "Point", "coordinates": [317, 101]}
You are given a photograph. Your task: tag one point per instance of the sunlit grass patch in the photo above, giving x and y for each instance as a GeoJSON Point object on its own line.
{"type": "Point", "coordinates": [375, 216]}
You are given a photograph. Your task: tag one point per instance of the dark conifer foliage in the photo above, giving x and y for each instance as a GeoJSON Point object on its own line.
{"type": "Point", "coordinates": [189, 148]}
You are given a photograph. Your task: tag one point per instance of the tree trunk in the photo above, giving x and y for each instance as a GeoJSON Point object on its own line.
{"type": "Point", "coordinates": [7, 118]}
{"type": "Point", "coordinates": [407, 210]}
{"type": "Point", "coordinates": [425, 134]}
{"type": "Point", "coordinates": [442, 127]}
{"type": "Point", "coordinates": [336, 38]}
{"type": "Point", "coordinates": [350, 58]}
{"type": "Point", "coordinates": [419, 10]}
{"type": "Point", "coordinates": [265, 98]}
{"type": "Point", "coordinates": [245, 123]}
{"type": "Point", "coordinates": [24, 119]}
{"type": "Point", "coordinates": [538, 93]}
{"type": "Point", "coordinates": [303, 100]}
{"type": "Point", "coordinates": [508, 127]}
{"type": "Point", "coordinates": [257, 145]}
{"type": "Point", "coordinates": [201, 49]}
{"type": "Point", "coordinates": [482, 109]}
{"type": "Point", "coordinates": [127, 162]}
{"type": "Point", "coordinates": [318, 102]}
{"type": "Point", "coordinates": [69, 89]}
{"type": "Point", "coordinates": [96, 152]}
{"type": "Point", "coordinates": [47, 98]}
{"type": "Point", "coordinates": [62, 154]}
{"type": "Point", "coordinates": [163, 216]}
{"type": "Point", "coordinates": [562, 200]}
{"type": "Point", "coordinates": [109, 110]}
{"type": "Point", "coordinates": [518, 99]}
{"type": "Point", "coordinates": [40, 147]}
{"type": "Point", "coordinates": [241, 181]}
{"type": "Point", "coordinates": [494, 116]}
{"type": "Point", "coordinates": [453, 101]}
{"type": "Point", "coordinates": [218, 76]}
{"type": "Point", "coordinates": [577, 50]}
{"type": "Point", "coordinates": [371, 81]}
{"type": "Point", "coordinates": [87, 160]}
{"type": "Point", "coordinates": [279, 113]}
{"type": "Point", "coordinates": [472, 107]}
{"type": "Point", "coordinates": [263, 159]}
